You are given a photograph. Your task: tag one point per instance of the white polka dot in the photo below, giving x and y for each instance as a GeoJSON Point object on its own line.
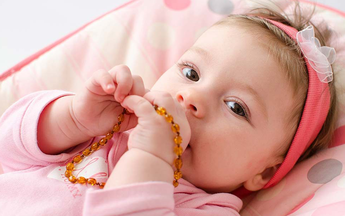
{"type": "Point", "coordinates": [341, 182]}
{"type": "Point", "coordinates": [224, 7]}
{"type": "Point", "coordinates": [271, 192]}
{"type": "Point", "coordinates": [161, 36]}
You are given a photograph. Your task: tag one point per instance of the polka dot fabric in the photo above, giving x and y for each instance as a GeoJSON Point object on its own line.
{"type": "Point", "coordinates": [149, 36]}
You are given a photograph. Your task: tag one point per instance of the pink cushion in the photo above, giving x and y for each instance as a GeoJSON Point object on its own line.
{"type": "Point", "coordinates": [149, 36]}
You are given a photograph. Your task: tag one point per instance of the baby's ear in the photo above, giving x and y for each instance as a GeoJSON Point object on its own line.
{"type": "Point", "coordinates": [258, 181]}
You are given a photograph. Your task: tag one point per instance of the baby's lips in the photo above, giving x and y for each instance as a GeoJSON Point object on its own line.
{"type": "Point", "coordinates": [185, 132]}
{"type": "Point", "coordinates": [185, 142]}
{"type": "Point", "coordinates": [186, 135]}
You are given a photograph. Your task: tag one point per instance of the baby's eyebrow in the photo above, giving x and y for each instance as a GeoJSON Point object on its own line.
{"type": "Point", "coordinates": [200, 51]}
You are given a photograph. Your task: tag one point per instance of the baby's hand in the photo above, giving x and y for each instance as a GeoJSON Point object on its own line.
{"type": "Point", "coordinates": [96, 107]}
{"type": "Point", "coordinates": [153, 133]}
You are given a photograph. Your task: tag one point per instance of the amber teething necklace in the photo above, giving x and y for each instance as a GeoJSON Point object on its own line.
{"type": "Point", "coordinates": [70, 167]}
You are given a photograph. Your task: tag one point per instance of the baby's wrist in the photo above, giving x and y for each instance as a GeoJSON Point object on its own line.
{"type": "Point", "coordinates": [167, 159]}
{"type": "Point", "coordinates": [161, 153]}
{"type": "Point", "coordinates": [73, 127]}
{"type": "Point", "coordinates": [56, 131]}
{"type": "Point", "coordinates": [136, 166]}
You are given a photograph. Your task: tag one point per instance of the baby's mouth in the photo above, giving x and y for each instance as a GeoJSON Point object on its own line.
{"type": "Point", "coordinates": [188, 146]}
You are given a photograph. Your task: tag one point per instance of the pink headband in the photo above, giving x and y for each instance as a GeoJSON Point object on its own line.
{"type": "Point", "coordinates": [318, 60]}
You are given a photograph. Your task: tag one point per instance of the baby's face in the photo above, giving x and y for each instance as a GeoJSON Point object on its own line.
{"type": "Point", "coordinates": [237, 100]}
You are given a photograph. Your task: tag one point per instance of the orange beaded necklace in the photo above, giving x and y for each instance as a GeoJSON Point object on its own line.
{"type": "Point", "coordinates": [70, 167]}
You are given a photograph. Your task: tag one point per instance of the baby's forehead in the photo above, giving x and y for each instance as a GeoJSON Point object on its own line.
{"type": "Point", "coordinates": [231, 35]}
{"type": "Point", "coordinates": [227, 41]}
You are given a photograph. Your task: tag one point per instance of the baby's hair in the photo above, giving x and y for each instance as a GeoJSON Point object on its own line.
{"type": "Point", "coordinates": [289, 55]}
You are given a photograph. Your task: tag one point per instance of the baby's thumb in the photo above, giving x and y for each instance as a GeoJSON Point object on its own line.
{"type": "Point", "coordinates": [141, 107]}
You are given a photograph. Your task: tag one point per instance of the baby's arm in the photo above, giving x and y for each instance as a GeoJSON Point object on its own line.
{"type": "Point", "coordinates": [18, 136]}
{"type": "Point", "coordinates": [93, 111]}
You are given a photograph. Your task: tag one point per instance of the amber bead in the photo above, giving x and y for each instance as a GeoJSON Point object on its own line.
{"type": "Point", "coordinates": [101, 185]}
{"type": "Point", "coordinates": [70, 166]}
{"type": "Point", "coordinates": [91, 181]}
{"type": "Point", "coordinates": [161, 111]}
{"type": "Point", "coordinates": [177, 175]}
{"type": "Point", "coordinates": [103, 141]}
{"type": "Point", "coordinates": [95, 147]}
{"type": "Point", "coordinates": [178, 140]}
{"type": "Point", "coordinates": [81, 180]}
{"type": "Point", "coordinates": [68, 173]}
{"type": "Point", "coordinates": [86, 152]}
{"type": "Point", "coordinates": [120, 117]}
{"type": "Point", "coordinates": [175, 128]}
{"type": "Point", "coordinates": [77, 159]}
{"type": "Point", "coordinates": [169, 118]}
{"type": "Point", "coordinates": [175, 183]}
{"type": "Point", "coordinates": [178, 150]}
{"type": "Point", "coordinates": [72, 179]}
{"type": "Point", "coordinates": [178, 163]}
{"type": "Point", "coordinates": [116, 128]}
{"type": "Point", "coordinates": [109, 136]}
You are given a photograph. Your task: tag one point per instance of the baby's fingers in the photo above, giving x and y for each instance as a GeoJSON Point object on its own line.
{"type": "Point", "coordinates": [138, 87]}
{"type": "Point", "coordinates": [101, 83]}
{"type": "Point", "coordinates": [162, 99]}
{"type": "Point", "coordinates": [123, 78]}
{"type": "Point", "coordinates": [141, 107]}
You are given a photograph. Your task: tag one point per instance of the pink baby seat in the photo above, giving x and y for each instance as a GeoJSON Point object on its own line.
{"type": "Point", "coordinates": [149, 36]}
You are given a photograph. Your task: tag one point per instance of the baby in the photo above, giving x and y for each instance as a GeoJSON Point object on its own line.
{"type": "Point", "coordinates": [253, 96]}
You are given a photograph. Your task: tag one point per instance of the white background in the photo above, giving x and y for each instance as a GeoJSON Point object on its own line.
{"type": "Point", "coordinates": [27, 26]}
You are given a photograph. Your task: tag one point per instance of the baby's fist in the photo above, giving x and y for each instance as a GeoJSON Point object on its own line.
{"type": "Point", "coordinates": [154, 133]}
{"type": "Point", "coordinates": [96, 106]}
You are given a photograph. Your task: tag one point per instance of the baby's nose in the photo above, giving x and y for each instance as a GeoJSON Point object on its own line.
{"type": "Point", "coordinates": [191, 102]}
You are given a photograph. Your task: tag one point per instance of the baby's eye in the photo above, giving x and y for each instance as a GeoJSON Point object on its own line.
{"type": "Point", "coordinates": [236, 108]}
{"type": "Point", "coordinates": [190, 73]}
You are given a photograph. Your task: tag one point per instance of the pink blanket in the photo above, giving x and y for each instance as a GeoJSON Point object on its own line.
{"type": "Point", "coordinates": [149, 36]}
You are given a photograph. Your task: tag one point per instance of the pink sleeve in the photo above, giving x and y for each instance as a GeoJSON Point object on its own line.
{"type": "Point", "coordinates": [147, 199]}
{"type": "Point", "coordinates": [18, 137]}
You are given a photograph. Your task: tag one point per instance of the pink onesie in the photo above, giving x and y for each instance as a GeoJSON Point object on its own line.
{"type": "Point", "coordinates": [34, 182]}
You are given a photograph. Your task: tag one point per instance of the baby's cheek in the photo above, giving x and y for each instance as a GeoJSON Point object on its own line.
{"type": "Point", "coordinates": [254, 163]}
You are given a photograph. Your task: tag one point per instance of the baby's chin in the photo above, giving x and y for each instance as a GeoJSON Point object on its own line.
{"type": "Point", "coordinates": [187, 172]}
{"type": "Point", "coordinates": [213, 189]}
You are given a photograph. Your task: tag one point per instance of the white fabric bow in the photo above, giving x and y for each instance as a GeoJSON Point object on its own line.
{"type": "Point", "coordinates": [319, 57]}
